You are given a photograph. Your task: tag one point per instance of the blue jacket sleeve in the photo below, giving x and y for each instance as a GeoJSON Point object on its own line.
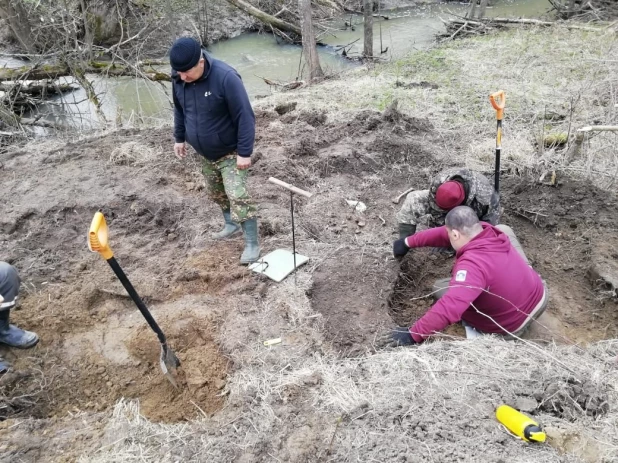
{"type": "Point", "coordinates": [179, 120]}
{"type": "Point", "coordinates": [241, 112]}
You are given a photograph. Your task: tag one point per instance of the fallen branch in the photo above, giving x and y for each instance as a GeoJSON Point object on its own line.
{"type": "Point", "coordinates": [345, 48]}
{"type": "Point", "coordinates": [537, 22]}
{"type": "Point", "coordinates": [39, 123]}
{"type": "Point", "coordinates": [575, 149]}
{"type": "Point", "coordinates": [348, 10]}
{"type": "Point", "coordinates": [35, 88]}
{"type": "Point", "coordinates": [282, 85]}
{"type": "Point", "coordinates": [53, 71]}
{"type": "Point", "coordinates": [265, 17]}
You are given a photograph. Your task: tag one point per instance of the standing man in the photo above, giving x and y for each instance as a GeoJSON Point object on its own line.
{"type": "Point", "coordinates": [450, 188]}
{"type": "Point", "coordinates": [10, 335]}
{"type": "Point", "coordinates": [213, 114]}
{"type": "Point", "coordinates": [492, 288]}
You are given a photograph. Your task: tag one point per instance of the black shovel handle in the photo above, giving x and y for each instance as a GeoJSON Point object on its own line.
{"type": "Point", "coordinates": [138, 301]}
{"type": "Point", "coordinates": [498, 151]}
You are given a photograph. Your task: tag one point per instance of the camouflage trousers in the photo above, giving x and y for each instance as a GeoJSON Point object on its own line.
{"type": "Point", "coordinates": [227, 186]}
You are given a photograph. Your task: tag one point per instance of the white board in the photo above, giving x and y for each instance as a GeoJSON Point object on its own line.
{"type": "Point", "coordinates": [278, 264]}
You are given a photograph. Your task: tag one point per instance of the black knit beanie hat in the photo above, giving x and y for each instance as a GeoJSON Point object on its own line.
{"type": "Point", "coordinates": [184, 54]}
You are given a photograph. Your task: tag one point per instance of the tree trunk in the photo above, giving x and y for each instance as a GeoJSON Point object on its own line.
{"type": "Point", "coordinates": [309, 49]}
{"type": "Point", "coordinates": [88, 37]}
{"type": "Point", "coordinates": [571, 10]}
{"type": "Point", "coordinates": [264, 17]}
{"type": "Point", "coordinates": [368, 13]}
{"type": "Point", "coordinates": [471, 9]}
{"type": "Point", "coordinates": [482, 8]}
{"type": "Point", "coordinates": [17, 17]}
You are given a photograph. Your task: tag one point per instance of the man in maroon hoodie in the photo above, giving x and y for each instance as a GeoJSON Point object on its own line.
{"type": "Point", "coordinates": [492, 288]}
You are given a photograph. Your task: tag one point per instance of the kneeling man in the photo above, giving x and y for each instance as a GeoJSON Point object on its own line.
{"type": "Point", "coordinates": [492, 288]}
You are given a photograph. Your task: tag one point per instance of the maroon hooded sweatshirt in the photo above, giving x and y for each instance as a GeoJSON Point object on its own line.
{"type": "Point", "coordinates": [488, 262]}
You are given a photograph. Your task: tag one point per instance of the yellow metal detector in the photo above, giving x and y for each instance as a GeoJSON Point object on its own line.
{"type": "Point", "coordinates": [520, 425]}
{"type": "Point", "coordinates": [498, 101]}
{"type": "Point", "coordinates": [98, 242]}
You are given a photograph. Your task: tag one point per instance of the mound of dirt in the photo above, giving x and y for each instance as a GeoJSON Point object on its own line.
{"type": "Point", "coordinates": [572, 398]}
{"type": "Point", "coordinates": [562, 229]}
{"type": "Point", "coordinates": [120, 358]}
{"type": "Point", "coordinates": [201, 376]}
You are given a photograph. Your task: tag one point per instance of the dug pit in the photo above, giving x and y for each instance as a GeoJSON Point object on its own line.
{"type": "Point", "coordinates": [565, 230]}
{"type": "Point", "coordinates": [119, 358]}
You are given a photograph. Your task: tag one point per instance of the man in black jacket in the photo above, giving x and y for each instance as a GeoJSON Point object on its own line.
{"type": "Point", "coordinates": [213, 114]}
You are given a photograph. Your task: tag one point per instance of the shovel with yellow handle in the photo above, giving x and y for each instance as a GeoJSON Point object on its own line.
{"type": "Point", "coordinates": [98, 242]}
{"type": "Point", "coordinates": [498, 101]}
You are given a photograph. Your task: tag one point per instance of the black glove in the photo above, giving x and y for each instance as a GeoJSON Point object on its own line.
{"type": "Point", "coordinates": [399, 336]}
{"type": "Point", "coordinates": [400, 248]}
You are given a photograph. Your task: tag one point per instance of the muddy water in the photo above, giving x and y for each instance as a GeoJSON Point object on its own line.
{"type": "Point", "coordinates": [260, 55]}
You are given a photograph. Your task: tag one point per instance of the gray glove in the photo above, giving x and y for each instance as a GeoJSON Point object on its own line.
{"type": "Point", "coordinates": [399, 336]}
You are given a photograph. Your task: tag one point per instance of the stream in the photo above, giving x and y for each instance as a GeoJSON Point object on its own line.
{"type": "Point", "coordinates": [254, 55]}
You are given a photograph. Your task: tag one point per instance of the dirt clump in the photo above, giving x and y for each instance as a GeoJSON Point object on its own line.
{"type": "Point", "coordinates": [213, 272]}
{"type": "Point", "coordinates": [603, 270]}
{"type": "Point", "coordinates": [571, 398]}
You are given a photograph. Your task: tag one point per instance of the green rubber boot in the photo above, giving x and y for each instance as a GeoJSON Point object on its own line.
{"type": "Point", "coordinates": [229, 229]}
{"type": "Point", "coordinates": [252, 247]}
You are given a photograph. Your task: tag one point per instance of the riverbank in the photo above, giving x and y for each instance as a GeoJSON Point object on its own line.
{"type": "Point", "coordinates": [91, 390]}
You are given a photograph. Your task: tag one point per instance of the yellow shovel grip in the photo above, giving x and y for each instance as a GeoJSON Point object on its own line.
{"type": "Point", "coordinates": [498, 101]}
{"type": "Point", "coordinates": [97, 237]}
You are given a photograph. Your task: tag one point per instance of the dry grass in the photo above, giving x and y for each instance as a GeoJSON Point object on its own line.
{"type": "Point", "coordinates": [434, 402]}
{"type": "Point", "coordinates": [556, 81]}
{"type": "Point", "coordinates": [133, 153]}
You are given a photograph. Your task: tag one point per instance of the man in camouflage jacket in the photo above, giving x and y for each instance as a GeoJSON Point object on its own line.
{"type": "Point", "coordinates": [421, 206]}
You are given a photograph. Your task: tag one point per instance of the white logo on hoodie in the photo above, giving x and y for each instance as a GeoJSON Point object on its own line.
{"type": "Point", "coordinates": [461, 275]}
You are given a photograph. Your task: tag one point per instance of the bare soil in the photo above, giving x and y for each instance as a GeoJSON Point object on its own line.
{"type": "Point", "coordinates": [96, 349]}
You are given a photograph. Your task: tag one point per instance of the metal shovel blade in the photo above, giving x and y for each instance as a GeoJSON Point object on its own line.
{"type": "Point", "coordinates": [168, 363]}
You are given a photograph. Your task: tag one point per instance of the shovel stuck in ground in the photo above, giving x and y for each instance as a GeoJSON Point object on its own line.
{"type": "Point", "coordinates": [498, 101]}
{"type": "Point", "coordinates": [97, 242]}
